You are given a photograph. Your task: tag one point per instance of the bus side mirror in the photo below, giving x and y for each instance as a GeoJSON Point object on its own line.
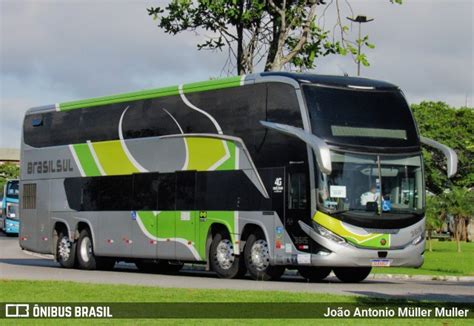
{"type": "Point", "coordinates": [450, 154]}
{"type": "Point", "coordinates": [321, 150]}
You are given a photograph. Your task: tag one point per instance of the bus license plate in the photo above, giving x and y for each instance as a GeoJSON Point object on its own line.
{"type": "Point", "coordinates": [380, 262]}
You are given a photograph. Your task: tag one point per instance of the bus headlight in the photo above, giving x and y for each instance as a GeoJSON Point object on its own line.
{"type": "Point", "coordinates": [417, 240]}
{"type": "Point", "coordinates": [328, 234]}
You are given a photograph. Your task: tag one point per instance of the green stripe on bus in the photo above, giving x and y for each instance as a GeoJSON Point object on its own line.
{"type": "Point", "coordinates": [212, 84]}
{"type": "Point", "coordinates": [140, 95]}
{"type": "Point", "coordinates": [151, 93]}
{"type": "Point", "coordinates": [86, 160]}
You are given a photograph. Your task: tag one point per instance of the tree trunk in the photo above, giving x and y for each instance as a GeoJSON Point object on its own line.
{"type": "Point", "coordinates": [430, 248]}
{"type": "Point", "coordinates": [240, 44]}
{"type": "Point", "coordinates": [457, 232]}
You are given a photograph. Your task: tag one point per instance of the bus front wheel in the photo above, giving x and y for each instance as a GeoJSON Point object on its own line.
{"type": "Point", "coordinates": [352, 274]}
{"type": "Point", "coordinates": [223, 258]}
{"type": "Point", "coordinates": [85, 254]}
{"type": "Point", "coordinates": [257, 259]}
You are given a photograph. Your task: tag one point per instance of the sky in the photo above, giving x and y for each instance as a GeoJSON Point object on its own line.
{"type": "Point", "coordinates": [53, 51]}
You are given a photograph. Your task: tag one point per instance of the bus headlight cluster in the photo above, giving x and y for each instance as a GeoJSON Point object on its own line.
{"type": "Point", "coordinates": [417, 240]}
{"type": "Point", "coordinates": [328, 234]}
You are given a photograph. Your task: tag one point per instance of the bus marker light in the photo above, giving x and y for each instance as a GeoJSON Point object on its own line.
{"type": "Point", "coordinates": [153, 242]}
{"type": "Point", "coordinates": [45, 238]}
{"type": "Point", "coordinates": [110, 241]}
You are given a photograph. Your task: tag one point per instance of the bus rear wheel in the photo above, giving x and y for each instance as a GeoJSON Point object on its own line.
{"type": "Point", "coordinates": [223, 258]}
{"type": "Point", "coordinates": [85, 254]}
{"type": "Point", "coordinates": [314, 274]}
{"type": "Point", "coordinates": [352, 274]}
{"type": "Point", "coordinates": [257, 259]}
{"type": "Point", "coordinates": [65, 251]}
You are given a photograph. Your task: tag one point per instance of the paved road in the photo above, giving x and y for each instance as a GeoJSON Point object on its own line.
{"type": "Point", "coordinates": [16, 264]}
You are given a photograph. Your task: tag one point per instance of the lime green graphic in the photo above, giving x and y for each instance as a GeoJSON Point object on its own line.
{"type": "Point", "coordinates": [210, 154]}
{"type": "Point", "coordinates": [152, 93]}
{"type": "Point", "coordinates": [86, 160]}
{"type": "Point", "coordinates": [112, 158]}
{"type": "Point", "coordinates": [372, 240]}
{"type": "Point", "coordinates": [188, 228]}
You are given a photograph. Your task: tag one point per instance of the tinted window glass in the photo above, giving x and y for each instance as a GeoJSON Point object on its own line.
{"type": "Point", "coordinates": [185, 189]}
{"type": "Point", "coordinates": [145, 191]}
{"type": "Point", "coordinates": [115, 193]}
{"type": "Point", "coordinates": [361, 117]}
{"type": "Point", "coordinates": [282, 105]}
{"type": "Point", "coordinates": [238, 111]}
{"type": "Point", "coordinates": [167, 192]}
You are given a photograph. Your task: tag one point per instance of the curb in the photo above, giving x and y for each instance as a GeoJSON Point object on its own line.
{"type": "Point", "coordinates": [446, 278]}
{"type": "Point", "coordinates": [372, 276]}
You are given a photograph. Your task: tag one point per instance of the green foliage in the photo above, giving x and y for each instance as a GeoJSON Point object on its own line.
{"type": "Point", "coordinates": [279, 32]}
{"type": "Point", "coordinates": [454, 128]}
{"type": "Point", "coordinates": [459, 202]}
{"type": "Point", "coordinates": [8, 171]}
{"type": "Point", "coordinates": [433, 213]}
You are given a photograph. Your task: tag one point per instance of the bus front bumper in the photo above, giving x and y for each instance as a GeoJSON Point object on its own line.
{"type": "Point", "coordinates": [347, 255]}
{"type": "Point", "coordinates": [11, 226]}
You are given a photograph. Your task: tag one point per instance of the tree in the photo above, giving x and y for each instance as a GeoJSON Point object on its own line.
{"type": "Point", "coordinates": [454, 128]}
{"type": "Point", "coordinates": [459, 202]}
{"type": "Point", "coordinates": [8, 171]}
{"type": "Point", "coordinates": [434, 216]}
{"type": "Point", "coordinates": [283, 33]}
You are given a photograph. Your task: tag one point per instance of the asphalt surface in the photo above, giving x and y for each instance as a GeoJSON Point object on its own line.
{"type": "Point", "coordinates": [16, 264]}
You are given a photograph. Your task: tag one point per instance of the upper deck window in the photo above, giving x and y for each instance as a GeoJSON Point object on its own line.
{"type": "Point", "coordinates": [367, 117]}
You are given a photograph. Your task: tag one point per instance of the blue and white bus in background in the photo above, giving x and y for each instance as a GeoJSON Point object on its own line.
{"type": "Point", "coordinates": [10, 218]}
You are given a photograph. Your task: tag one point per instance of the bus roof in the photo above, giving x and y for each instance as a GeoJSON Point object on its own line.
{"type": "Point", "coordinates": [329, 80]}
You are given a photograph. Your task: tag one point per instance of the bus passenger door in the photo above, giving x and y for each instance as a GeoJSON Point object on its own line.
{"type": "Point", "coordinates": [297, 204]}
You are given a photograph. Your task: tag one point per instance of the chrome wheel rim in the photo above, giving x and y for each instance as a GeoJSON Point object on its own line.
{"type": "Point", "coordinates": [64, 248]}
{"type": "Point", "coordinates": [259, 255]}
{"type": "Point", "coordinates": [86, 249]}
{"type": "Point", "coordinates": [225, 254]}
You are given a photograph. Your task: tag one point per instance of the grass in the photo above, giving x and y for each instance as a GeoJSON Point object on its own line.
{"type": "Point", "coordinates": [443, 260]}
{"type": "Point", "coordinates": [55, 291]}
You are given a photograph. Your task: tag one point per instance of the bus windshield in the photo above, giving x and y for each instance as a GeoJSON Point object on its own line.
{"type": "Point", "coordinates": [12, 189]}
{"type": "Point", "coordinates": [359, 117]}
{"type": "Point", "coordinates": [372, 185]}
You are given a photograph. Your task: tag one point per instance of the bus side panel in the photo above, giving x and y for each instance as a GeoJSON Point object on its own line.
{"type": "Point", "coordinates": [28, 226]}
{"type": "Point", "coordinates": [114, 236]}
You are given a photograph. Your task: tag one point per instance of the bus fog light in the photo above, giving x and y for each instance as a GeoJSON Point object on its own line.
{"type": "Point", "coordinates": [328, 234]}
{"type": "Point", "coordinates": [417, 240]}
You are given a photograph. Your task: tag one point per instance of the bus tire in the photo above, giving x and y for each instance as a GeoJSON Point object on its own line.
{"type": "Point", "coordinates": [223, 259]}
{"type": "Point", "coordinates": [85, 251]}
{"type": "Point", "coordinates": [257, 259]}
{"type": "Point", "coordinates": [65, 251]}
{"type": "Point", "coordinates": [352, 274]}
{"type": "Point", "coordinates": [314, 274]}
